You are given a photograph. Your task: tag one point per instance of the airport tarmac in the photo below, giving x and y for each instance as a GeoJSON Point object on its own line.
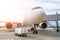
{"type": "Point", "coordinates": [42, 35]}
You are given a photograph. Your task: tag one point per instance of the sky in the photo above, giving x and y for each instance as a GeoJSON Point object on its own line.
{"type": "Point", "coordinates": [16, 9]}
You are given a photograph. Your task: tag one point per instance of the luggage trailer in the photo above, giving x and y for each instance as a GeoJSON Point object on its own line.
{"type": "Point", "coordinates": [21, 31]}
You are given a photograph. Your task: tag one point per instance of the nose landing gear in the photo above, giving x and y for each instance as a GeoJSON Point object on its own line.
{"type": "Point", "coordinates": [35, 29]}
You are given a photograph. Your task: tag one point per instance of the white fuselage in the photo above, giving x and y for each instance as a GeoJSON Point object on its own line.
{"type": "Point", "coordinates": [34, 17]}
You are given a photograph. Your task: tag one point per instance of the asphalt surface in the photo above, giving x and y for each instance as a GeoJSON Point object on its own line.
{"type": "Point", "coordinates": [42, 35]}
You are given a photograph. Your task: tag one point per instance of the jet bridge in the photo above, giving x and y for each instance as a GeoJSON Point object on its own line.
{"type": "Point", "coordinates": [55, 17]}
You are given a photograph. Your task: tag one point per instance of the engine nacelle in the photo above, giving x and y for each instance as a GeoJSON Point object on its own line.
{"type": "Point", "coordinates": [8, 25]}
{"type": "Point", "coordinates": [43, 25]}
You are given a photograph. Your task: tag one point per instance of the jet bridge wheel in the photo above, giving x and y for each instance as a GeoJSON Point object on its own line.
{"type": "Point", "coordinates": [57, 30]}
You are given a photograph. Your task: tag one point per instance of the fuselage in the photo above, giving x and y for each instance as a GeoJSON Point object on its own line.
{"type": "Point", "coordinates": [34, 17]}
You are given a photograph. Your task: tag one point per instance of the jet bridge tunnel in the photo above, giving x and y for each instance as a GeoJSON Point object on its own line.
{"type": "Point", "coordinates": [55, 18]}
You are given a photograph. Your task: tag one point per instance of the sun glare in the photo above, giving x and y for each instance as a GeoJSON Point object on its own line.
{"type": "Point", "coordinates": [10, 10]}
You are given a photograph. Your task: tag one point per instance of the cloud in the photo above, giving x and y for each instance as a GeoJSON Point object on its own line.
{"type": "Point", "coordinates": [50, 6]}
{"type": "Point", "coordinates": [47, 5]}
{"type": "Point", "coordinates": [23, 5]}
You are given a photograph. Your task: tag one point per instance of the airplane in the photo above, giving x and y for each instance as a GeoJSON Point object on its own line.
{"type": "Point", "coordinates": [35, 17]}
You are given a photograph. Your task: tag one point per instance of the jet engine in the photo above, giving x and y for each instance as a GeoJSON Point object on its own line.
{"type": "Point", "coordinates": [8, 25]}
{"type": "Point", "coordinates": [43, 25]}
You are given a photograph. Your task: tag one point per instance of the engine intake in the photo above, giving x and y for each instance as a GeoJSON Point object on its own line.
{"type": "Point", "coordinates": [44, 25]}
{"type": "Point", "coordinates": [8, 25]}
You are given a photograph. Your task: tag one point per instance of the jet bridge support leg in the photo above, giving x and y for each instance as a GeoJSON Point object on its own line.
{"type": "Point", "coordinates": [57, 26]}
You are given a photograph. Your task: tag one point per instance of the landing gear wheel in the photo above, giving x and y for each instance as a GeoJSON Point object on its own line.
{"type": "Point", "coordinates": [35, 32]}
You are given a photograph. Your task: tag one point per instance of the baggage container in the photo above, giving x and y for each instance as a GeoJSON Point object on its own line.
{"type": "Point", "coordinates": [21, 31]}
